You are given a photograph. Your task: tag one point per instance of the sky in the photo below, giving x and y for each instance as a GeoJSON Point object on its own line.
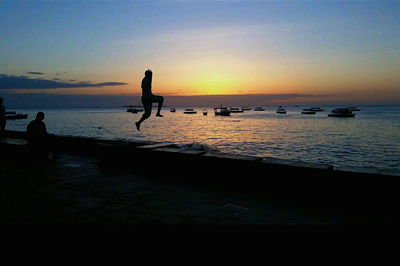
{"type": "Point", "coordinates": [269, 52]}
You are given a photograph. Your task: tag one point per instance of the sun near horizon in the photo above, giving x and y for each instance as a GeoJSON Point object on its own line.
{"type": "Point", "coordinates": [336, 50]}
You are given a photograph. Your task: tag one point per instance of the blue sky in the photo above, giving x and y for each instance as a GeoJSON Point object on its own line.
{"type": "Point", "coordinates": [338, 48]}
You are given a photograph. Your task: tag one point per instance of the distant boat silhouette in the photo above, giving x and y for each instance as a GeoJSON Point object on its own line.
{"type": "Point", "coordinates": [259, 109]}
{"type": "Point", "coordinates": [352, 108]}
{"type": "Point", "coordinates": [205, 112]}
{"type": "Point", "coordinates": [246, 108]}
{"type": "Point", "coordinates": [236, 110]}
{"type": "Point", "coordinates": [14, 116]}
{"type": "Point", "coordinates": [172, 110]}
{"type": "Point", "coordinates": [223, 111]}
{"type": "Point", "coordinates": [308, 112]}
{"type": "Point", "coordinates": [132, 110]}
{"type": "Point", "coordinates": [281, 110]}
{"type": "Point", "coordinates": [316, 109]}
{"type": "Point", "coordinates": [341, 112]}
{"type": "Point", "coordinates": [190, 111]}
{"type": "Point", "coordinates": [135, 109]}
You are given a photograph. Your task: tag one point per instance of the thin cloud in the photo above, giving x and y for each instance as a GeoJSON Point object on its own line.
{"type": "Point", "coordinates": [34, 73]}
{"type": "Point", "coordinates": [8, 82]}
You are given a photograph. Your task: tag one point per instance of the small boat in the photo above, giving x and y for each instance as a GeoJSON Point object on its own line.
{"type": "Point", "coordinates": [352, 108]}
{"type": "Point", "coordinates": [16, 116]}
{"type": "Point", "coordinates": [281, 110]}
{"type": "Point", "coordinates": [316, 109]}
{"type": "Point", "coordinates": [259, 109]}
{"type": "Point", "coordinates": [132, 110]}
{"type": "Point", "coordinates": [222, 111]}
{"type": "Point", "coordinates": [308, 112]}
{"type": "Point", "coordinates": [172, 110]}
{"type": "Point", "coordinates": [246, 108]}
{"type": "Point", "coordinates": [190, 111]}
{"type": "Point", "coordinates": [236, 110]}
{"type": "Point", "coordinates": [205, 112]}
{"type": "Point", "coordinates": [341, 112]}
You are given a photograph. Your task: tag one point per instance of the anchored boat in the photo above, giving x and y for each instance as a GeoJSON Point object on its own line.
{"type": "Point", "coordinates": [352, 108]}
{"type": "Point", "coordinates": [236, 110]}
{"type": "Point", "coordinates": [189, 111]}
{"type": "Point", "coordinates": [135, 109]}
{"type": "Point", "coordinates": [281, 110]}
{"type": "Point", "coordinates": [341, 112]}
{"type": "Point", "coordinates": [308, 112]}
{"type": "Point", "coordinates": [316, 109]}
{"type": "Point", "coordinates": [13, 116]}
{"type": "Point", "coordinates": [222, 111]}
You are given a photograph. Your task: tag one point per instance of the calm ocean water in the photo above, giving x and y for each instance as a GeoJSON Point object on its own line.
{"type": "Point", "coordinates": [371, 139]}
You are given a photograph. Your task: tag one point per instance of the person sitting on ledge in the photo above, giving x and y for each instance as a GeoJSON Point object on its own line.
{"type": "Point", "coordinates": [2, 118]}
{"type": "Point", "coordinates": [38, 138]}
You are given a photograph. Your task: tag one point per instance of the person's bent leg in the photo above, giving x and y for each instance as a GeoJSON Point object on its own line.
{"type": "Point", "coordinates": [146, 114]}
{"type": "Point", "coordinates": [160, 101]}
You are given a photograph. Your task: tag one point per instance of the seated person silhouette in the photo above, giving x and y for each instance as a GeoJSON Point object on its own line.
{"type": "Point", "coordinates": [148, 98]}
{"type": "Point", "coordinates": [38, 138]}
{"type": "Point", "coordinates": [2, 118]}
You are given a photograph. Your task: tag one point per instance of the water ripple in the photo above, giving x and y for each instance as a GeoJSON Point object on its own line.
{"type": "Point", "coordinates": [371, 139]}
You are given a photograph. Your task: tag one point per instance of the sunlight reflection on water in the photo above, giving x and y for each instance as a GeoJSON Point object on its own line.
{"type": "Point", "coordinates": [371, 139]}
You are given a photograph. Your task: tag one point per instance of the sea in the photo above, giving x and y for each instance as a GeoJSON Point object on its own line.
{"type": "Point", "coordinates": [369, 140]}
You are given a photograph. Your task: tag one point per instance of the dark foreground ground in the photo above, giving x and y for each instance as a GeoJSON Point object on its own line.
{"type": "Point", "coordinates": [80, 189]}
{"type": "Point", "coordinates": [116, 182]}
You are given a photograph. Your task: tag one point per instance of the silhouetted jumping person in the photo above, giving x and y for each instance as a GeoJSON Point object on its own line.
{"type": "Point", "coordinates": [148, 98]}
{"type": "Point", "coordinates": [2, 118]}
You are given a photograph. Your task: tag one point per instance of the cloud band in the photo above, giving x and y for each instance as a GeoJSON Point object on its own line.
{"type": "Point", "coordinates": [8, 82]}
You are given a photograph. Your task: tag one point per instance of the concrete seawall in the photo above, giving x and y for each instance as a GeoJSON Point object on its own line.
{"type": "Point", "coordinates": [318, 185]}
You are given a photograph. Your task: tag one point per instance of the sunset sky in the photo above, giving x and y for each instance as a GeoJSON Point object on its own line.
{"type": "Point", "coordinates": [320, 51]}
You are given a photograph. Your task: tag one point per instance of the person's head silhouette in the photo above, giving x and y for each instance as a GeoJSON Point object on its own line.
{"type": "Point", "coordinates": [148, 73]}
{"type": "Point", "coordinates": [40, 116]}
